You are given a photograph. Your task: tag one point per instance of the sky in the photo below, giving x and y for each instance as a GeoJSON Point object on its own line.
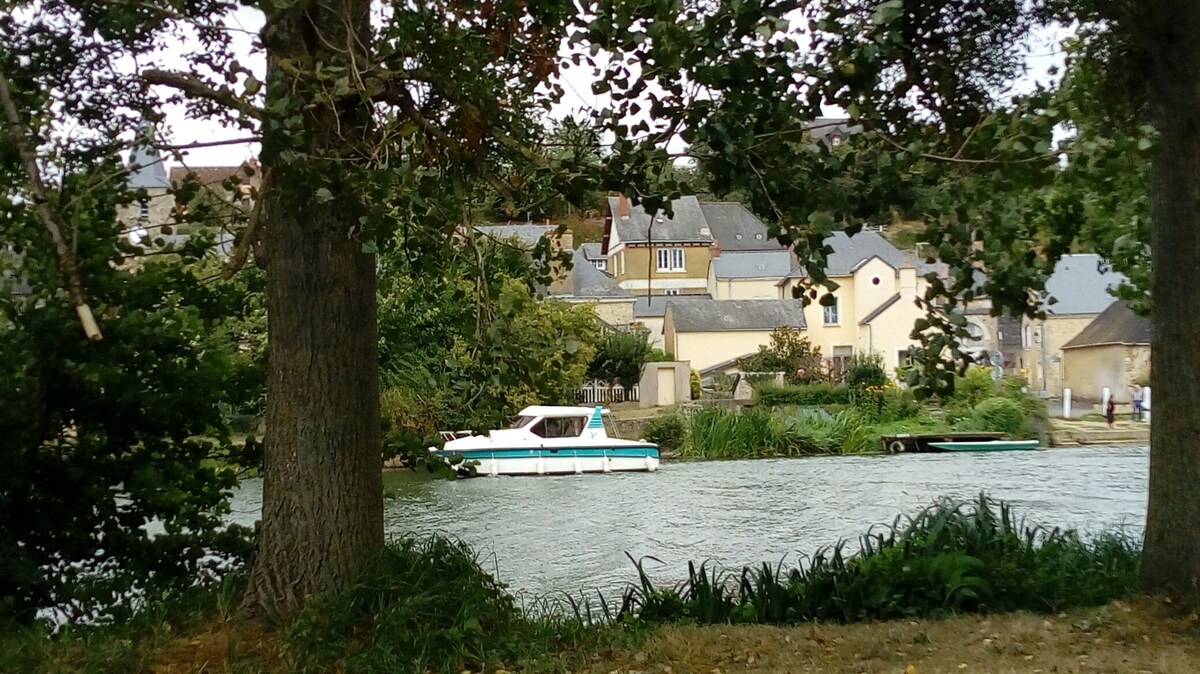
{"type": "Point", "coordinates": [1044, 49]}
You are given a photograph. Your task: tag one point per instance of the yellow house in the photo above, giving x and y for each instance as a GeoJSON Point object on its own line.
{"type": "Point", "coordinates": [661, 255]}
{"type": "Point", "coordinates": [1075, 294]}
{"type": "Point", "coordinates": [748, 276]}
{"type": "Point", "coordinates": [874, 307]}
{"type": "Point", "coordinates": [707, 333]}
{"type": "Point", "coordinates": [1112, 352]}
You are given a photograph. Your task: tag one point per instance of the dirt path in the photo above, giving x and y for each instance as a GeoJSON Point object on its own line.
{"type": "Point", "coordinates": [1145, 636]}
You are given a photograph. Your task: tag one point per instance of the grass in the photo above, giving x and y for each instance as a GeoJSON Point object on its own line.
{"type": "Point", "coordinates": [427, 606]}
{"type": "Point", "coordinates": [950, 558]}
{"type": "Point", "coordinates": [1141, 635]}
{"type": "Point", "coordinates": [763, 432]}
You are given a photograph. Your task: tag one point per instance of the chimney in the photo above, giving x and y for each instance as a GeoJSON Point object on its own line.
{"type": "Point", "coordinates": [623, 207]}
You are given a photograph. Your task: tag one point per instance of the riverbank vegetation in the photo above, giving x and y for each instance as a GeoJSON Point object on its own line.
{"type": "Point", "coordinates": [426, 605]}
{"type": "Point", "coordinates": [850, 418]}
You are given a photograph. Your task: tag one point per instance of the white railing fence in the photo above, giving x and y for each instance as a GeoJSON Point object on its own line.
{"type": "Point", "coordinates": [599, 393]}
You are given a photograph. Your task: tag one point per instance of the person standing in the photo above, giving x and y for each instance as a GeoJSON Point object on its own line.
{"type": "Point", "coordinates": [1138, 397]}
{"type": "Point", "coordinates": [1110, 412]}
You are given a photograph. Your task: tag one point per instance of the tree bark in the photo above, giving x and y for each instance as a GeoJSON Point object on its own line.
{"type": "Point", "coordinates": [1171, 559]}
{"type": "Point", "coordinates": [322, 518]}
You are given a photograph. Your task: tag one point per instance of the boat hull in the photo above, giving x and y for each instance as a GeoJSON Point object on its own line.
{"type": "Point", "coordinates": [564, 461]}
{"type": "Point", "coordinates": [989, 446]}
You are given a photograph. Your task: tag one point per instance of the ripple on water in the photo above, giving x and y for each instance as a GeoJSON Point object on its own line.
{"type": "Point", "coordinates": [564, 534]}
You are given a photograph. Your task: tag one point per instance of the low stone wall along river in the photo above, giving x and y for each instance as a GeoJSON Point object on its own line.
{"type": "Point", "coordinates": [566, 534]}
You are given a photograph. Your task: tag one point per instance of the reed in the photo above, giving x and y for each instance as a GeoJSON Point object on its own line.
{"type": "Point", "coordinates": [950, 558]}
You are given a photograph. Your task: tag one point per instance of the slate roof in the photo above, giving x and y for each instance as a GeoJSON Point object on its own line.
{"type": "Point", "coordinates": [146, 170]}
{"type": "Point", "coordinates": [655, 306]}
{"type": "Point", "coordinates": [736, 229]}
{"type": "Point", "coordinates": [687, 224]}
{"type": "Point", "coordinates": [851, 252]}
{"type": "Point", "coordinates": [528, 234]}
{"type": "Point", "coordinates": [591, 251]}
{"type": "Point", "coordinates": [1078, 286]}
{"type": "Point", "coordinates": [1115, 325]}
{"type": "Point", "coordinates": [587, 281]}
{"type": "Point", "coordinates": [752, 265]}
{"type": "Point", "coordinates": [733, 315]}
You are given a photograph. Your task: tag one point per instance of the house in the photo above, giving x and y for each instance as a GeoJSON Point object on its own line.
{"type": "Point", "coordinates": [1112, 352]}
{"type": "Point", "coordinates": [706, 333]}
{"type": "Point", "coordinates": [662, 255]}
{"type": "Point", "coordinates": [593, 256]}
{"type": "Point", "coordinates": [1076, 293]}
{"type": "Point", "coordinates": [749, 275]}
{"type": "Point", "coordinates": [587, 283]}
{"type": "Point", "coordinates": [649, 313]}
{"type": "Point", "coordinates": [874, 307]}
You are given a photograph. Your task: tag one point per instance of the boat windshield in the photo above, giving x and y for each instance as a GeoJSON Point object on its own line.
{"type": "Point", "coordinates": [521, 422]}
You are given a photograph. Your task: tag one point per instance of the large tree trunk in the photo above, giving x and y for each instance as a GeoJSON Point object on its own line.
{"type": "Point", "coordinates": [1171, 560]}
{"type": "Point", "coordinates": [322, 518]}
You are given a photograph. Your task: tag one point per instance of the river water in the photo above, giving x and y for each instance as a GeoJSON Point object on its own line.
{"type": "Point", "coordinates": [544, 535]}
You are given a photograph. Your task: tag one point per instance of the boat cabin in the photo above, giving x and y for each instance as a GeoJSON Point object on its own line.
{"type": "Point", "coordinates": [546, 421]}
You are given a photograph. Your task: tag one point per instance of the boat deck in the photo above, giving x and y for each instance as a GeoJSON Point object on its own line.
{"type": "Point", "coordinates": [919, 442]}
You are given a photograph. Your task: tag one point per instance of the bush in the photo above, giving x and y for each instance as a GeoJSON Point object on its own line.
{"type": "Point", "coordinates": [866, 371]}
{"type": "Point", "coordinates": [974, 386]}
{"type": "Point", "coordinates": [809, 395]}
{"type": "Point", "coordinates": [668, 431]}
{"type": "Point", "coordinates": [997, 415]}
{"type": "Point", "coordinates": [949, 558]}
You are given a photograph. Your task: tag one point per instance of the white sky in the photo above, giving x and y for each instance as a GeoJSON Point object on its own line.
{"type": "Point", "coordinates": [1044, 53]}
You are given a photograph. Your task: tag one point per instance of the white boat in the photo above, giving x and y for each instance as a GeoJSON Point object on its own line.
{"type": "Point", "coordinates": [551, 440]}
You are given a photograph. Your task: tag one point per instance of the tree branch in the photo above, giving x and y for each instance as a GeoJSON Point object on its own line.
{"type": "Point", "coordinates": [198, 89]}
{"type": "Point", "coordinates": [67, 264]}
{"type": "Point", "coordinates": [237, 259]}
{"type": "Point", "coordinates": [209, 143]}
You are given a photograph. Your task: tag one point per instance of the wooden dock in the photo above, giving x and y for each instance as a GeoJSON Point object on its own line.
{"type": "Point", "coordinates": [907, 443]}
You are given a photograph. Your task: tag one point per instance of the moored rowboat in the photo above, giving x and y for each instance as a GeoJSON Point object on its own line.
{"type": "Point", "coordinates": [986, 446]}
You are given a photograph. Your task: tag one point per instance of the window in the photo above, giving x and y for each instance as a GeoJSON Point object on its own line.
{"type": "Point", "coordinates": [671, 291]}
{"type": "Point", "coordinates": [904, 358]}
{"type": "Point", "coordinates": [1025, 337]}
{"type": "Point", "coordinates": [143, 209]}
{"type": "Point", "coordinates": [560, 427]}
{"type": "Point", "coordinates": [670, 259]}
{"type": "Point", "coordinates": [831, 312]}
{"type": "Point", "coordinates": [600, 264]}
{"type": "Point", "coordinates": [839, 362]}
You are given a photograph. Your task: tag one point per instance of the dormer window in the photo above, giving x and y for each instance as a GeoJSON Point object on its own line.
{"type": "Point", "coordinates": [600, 264]}
{"type": "Point", "coordinates": [143, 209]}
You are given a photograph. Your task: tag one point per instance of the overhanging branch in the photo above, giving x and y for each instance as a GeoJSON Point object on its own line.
{"type": "Point", "coordinates": [197, 89]}
{"type": "Point", "coordinates": [67, 264]}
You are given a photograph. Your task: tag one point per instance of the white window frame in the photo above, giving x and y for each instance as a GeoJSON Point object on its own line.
{"type": "Point", "coordinates": [673, 292]}
{"type": "Point", "coordinates": [831, 311]}
{"type": "Point", "coordinates": [670, 259]}
{"type": "Point", "coordinates": [600, 264]}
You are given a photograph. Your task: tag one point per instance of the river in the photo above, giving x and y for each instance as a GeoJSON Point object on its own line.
{"type": "Point", "coordinates": [570, 534]}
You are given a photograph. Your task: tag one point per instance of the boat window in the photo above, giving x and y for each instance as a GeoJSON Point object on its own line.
{"type": "Point", "coordinates": [521, 422]}
{"type": "Point", "coordinates": [560, 427]}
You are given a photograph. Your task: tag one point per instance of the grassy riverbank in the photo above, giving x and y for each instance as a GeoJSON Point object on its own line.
{"type": "Point", "coordinates": [820, 419]}
{"type": "Point", "coordinates": [427, 606]}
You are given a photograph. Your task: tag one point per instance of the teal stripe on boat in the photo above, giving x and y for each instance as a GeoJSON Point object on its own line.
{"type": "Point", "coordinates": [590, 452]}
{"type": "Point", "coordinates": [596, 421]}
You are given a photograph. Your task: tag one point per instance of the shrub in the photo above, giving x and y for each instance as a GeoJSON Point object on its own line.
{"type": "Point", "coordinates": [668, 431]}
{"type": "Point", "coordinates": [806, 395]}
{"type": "Point", "coordinates": [949, 558]}
{"type": "Point", "coordinates": [997, 415]}
{"type": "Point", "coordinates": [866, 371]}
{"type": "Point", "coordinates": [694, 380]}
{"type": "Point", "coordinates": [974, 386]}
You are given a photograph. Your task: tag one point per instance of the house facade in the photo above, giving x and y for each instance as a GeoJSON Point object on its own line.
{"type": "Point", "coordinates": [707, 333]}
{"type": "Point", "coordinates": [660, 254]}
{"type": "Point", "coordinates": [1112, 351]}
{"type": "Point", "coordinates": [874, 307]}
{"type": "Point", "coordinates": [1076, 293]}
